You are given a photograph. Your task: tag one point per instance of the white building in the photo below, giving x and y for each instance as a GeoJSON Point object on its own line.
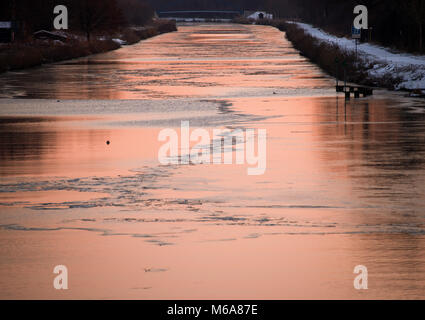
{"type": "Point", "coordinates": [259, 15]}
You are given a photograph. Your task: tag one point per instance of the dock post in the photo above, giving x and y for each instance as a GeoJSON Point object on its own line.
{"type": "Point", "coordinates": [337, 69]}
{"type": "Point", "coordinates": [347, 95]}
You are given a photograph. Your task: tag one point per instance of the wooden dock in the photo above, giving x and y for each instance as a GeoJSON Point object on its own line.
{"type": "Point", "coordinates": [355, 89]}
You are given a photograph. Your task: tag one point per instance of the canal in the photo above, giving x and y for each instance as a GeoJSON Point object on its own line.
{"type": "Point", "coordinates": [344, 183]}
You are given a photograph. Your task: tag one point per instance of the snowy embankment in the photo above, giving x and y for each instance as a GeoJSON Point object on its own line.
{"type": "Point", "coordinates": [407, 69]}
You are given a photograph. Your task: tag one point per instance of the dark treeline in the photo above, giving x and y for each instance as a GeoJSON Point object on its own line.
{"type": "Point", "coordinates": [239, 5]}
{"type": "Point", "coordinates": [86, 16]}
{"type": "Point", "coordinates": [395, 23]}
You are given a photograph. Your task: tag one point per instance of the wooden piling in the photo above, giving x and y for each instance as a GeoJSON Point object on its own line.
{"type": "Point", "coordinates": [347, 95]}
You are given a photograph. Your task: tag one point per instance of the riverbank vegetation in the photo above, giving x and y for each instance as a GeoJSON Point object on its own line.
{"type": "Point", "coordinates": [392, 58]}
{"type": "Point", "coordinates": [95, 26]}
{"type": "Point", "coordinates": [396, 24]}
{"type": "Point", "coordinates": [369, 65]}
{"type": "Point", "coordinates": [337, 62]}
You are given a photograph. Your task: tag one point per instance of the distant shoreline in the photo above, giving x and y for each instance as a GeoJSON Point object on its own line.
{"type": "Point", "coordinates": [22, 55]}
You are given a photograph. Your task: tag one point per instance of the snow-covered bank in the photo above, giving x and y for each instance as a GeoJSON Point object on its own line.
{"type": "Point", "coordinates": [407, 70]}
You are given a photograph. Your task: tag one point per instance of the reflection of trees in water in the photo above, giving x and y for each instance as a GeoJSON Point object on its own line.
{"type": "Point", "coordinates": [20, 143]}
{"type": "Point", "coordinates": [78, 79]}
{"type": "Point", "coordinates": [378, 147]}
{"type": "Point", "coordinates": [387, 138]}
{"type": "Point", "coordinates": [19, 146]}
{"type": "Point", "coordinates": [399, 145]}
{"type": "Point", "coordinates": [23, 145]}
{"type": "Point", "coordinates": [46, 145]}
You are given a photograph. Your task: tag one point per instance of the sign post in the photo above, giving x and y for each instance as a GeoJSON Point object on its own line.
{"type": "Point", "coordinates": [356, 34]}
{"type": "Point", "coordinates": [336, 75]}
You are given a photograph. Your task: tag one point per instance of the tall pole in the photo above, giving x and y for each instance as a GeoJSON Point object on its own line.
{"type": "Point", "coordinates": [356, 49]}
{"type": "Point", "coordinates": [347, 94]}
{"type": "Point", "coordinates": [336, 75]}
{"type": "Point", "coordinates": [13, 18]}
{"type": "Point", "coordinates": [337, 71]}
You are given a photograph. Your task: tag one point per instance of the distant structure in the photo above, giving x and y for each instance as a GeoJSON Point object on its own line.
{"type": "Point", "coordinates": [258, 15]}
{"type": "Point", "coordinates": [201, 15]}
{"type": "Point", "coordinates": [212, 15]}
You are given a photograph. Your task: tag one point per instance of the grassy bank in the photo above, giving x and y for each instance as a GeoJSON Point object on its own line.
{"type": "Point", "coordinates": [34, 52]}
{"type": "Point", "coordinates": [135, 34]}
{"type": "Point", "coordinates": [332, 59]}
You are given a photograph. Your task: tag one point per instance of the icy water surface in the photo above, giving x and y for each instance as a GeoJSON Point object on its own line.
{"type": "Point", "coordinates": [344, 184]}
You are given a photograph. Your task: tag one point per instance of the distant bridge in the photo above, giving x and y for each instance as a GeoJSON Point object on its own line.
{"type": "Point", "coordinates": [203, 14]}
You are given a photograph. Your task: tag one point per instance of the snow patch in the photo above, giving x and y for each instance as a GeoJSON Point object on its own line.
{"type": "Point", "coordinates": [408, 68]}
{"type": "Point", "coordinates": [120, 42]}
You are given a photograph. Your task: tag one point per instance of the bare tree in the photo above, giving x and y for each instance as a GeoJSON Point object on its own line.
{"type": "Point", "coordinates": [136, 12]}
{"type": "Point", "coordinates": [97, 15]}
{"type": "Point", "coordinates": [417, 11]}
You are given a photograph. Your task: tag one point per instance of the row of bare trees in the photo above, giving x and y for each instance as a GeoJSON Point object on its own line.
{"type": "Point", "coordinates": [395, 23]}
{"type": "Point", "coordinates": [86, 16]}
{"type": "Point", "coordinates": [165, 5]}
